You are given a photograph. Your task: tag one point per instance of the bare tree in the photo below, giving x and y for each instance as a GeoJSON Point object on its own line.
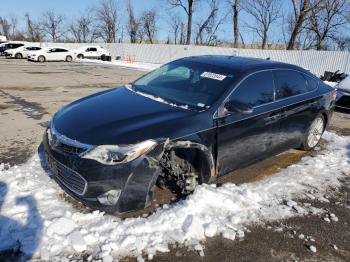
{"type": "Point", "coordinates": [182, 33]}
{"type": "Point", "coordinates": [343, 43]}
{"type": "Point", "coordinates": [82, 28]}
{"type": "Point", "coordinates": [264, 14]}
{"type": "Point", "coordinates": [148, 23]}
{"type": "Point", "coordinates": [207, 22]}
{"type": "Point", "coordinates": [188, 7]}
{"type": "Point", "coordinates": [107, 20]}
{"type": "Point", "coordinates": [33, 30]}
{"type": "Point", "coordinates": [301, 12]}
{"type": "Point", "coordinates": [234, 6]}
{"type": "Point", "coordinates": [133, 24]}
{"type": "Point", "coordinates": [326, 20]}
{"type": "Point", "coordinates": [52, 25]}
{"type": "Point", "coordinates": [9, 27]}
{"type": "Point", "coordinates": [175, 26]}
{"type": "Point", "coordinates": [207, 29]}
{"type": "Point", "coordinates": [5, 27]}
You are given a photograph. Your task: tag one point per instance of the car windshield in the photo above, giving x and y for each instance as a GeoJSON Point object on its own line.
{"type": "Point", "coordinates": [196, 85]}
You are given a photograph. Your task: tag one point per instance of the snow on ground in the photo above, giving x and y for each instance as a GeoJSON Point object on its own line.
{"type": "Point", "coordinates": [56, 229]}
{"type": "Point", "coordinates": [135, 65]}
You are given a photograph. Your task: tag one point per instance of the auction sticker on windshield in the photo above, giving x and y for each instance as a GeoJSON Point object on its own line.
{"type": "Point", "coordinates": [213, 76]}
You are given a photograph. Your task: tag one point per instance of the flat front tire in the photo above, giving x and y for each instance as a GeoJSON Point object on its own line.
{"type": "Point", "coordinates": [314, 133]}
{"type": "Point", "coordinates": [41, 59]}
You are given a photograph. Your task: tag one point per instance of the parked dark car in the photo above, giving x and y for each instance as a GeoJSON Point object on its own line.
{"type": "Point", "coordinates": [8, 46]}
{"type": "Point", "coordinates": [343, 94]}
{"type": "Point", "coordinates": [186, 123]}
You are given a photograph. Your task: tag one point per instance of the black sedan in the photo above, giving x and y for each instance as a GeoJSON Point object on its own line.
{"type": "Point", "coordinates": [186, 123]}
{"type": "Point", "coordinates": [343, 94]}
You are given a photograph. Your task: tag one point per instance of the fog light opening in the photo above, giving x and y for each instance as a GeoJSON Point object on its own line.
{"type": "Point", "coordinates": [109, 198]}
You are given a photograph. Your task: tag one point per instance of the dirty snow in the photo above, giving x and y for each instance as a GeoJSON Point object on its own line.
{"type": "Point", "coordinates": [57, 230]}
{"type": "Point", "coordinates": [135, 65]}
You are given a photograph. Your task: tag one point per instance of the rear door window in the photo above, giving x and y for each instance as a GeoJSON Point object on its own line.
{"type": "Point", "coordinates": [256, 90]}
{"type": "Point", "coordinates": [312, 83]}
{"type": "Point", "coordinates": [289, 83]}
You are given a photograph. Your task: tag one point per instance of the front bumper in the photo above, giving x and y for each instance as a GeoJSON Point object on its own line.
{"type": "Point", "coordinates": [343, 101]}
{"type": "Point", "coordinates": [135, 179]}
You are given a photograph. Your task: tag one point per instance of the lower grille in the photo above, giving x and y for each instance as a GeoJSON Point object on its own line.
{"type": "Point", "coordinates": [67, 177]}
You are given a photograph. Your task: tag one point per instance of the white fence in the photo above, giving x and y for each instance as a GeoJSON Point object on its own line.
{"type": "Point", "coordinates": [316, 61]}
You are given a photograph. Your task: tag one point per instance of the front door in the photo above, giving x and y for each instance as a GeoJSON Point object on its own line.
{"type": "Point", "coordinates": [246, 138]}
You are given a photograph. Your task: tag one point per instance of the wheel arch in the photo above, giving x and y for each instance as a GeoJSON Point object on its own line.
{"type": "Point", "coordinates": [198, 155]}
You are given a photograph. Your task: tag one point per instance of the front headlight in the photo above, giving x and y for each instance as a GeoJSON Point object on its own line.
{"type": "Point", "coordinates": [113, 154]}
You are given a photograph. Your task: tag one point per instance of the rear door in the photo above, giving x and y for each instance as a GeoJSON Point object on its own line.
{"type": "Point", "coordinates": [246, 138]}
{"type": "Point", "coordinates": [61, 54]}
{"type": "Point", "coordinates": [294, 92]}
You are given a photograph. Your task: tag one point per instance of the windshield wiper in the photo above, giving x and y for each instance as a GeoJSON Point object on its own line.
{"type": "Point", "coordinates": [162, 99]}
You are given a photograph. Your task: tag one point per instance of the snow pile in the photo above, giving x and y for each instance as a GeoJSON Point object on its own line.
{"type": "Point", "coordinates": [57, 229]}
{"type": "Point", "coordinates": [135, 65]}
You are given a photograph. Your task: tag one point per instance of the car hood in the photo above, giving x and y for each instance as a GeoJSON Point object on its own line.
{"type": "Point", "coordinates": [121, 116]}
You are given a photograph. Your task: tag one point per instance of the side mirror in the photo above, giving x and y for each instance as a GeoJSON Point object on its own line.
{"type": "Point", "coordinates": [238, 107]}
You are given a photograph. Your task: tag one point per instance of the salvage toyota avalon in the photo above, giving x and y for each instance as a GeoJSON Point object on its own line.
{"type": "Point", "coordinates": [189, 122]}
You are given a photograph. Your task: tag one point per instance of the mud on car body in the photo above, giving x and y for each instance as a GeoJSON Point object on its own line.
{"type": "Point", "coordinates": [184, 124]}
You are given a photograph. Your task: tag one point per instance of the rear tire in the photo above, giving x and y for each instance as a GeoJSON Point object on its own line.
{"type": "Point", "coordinates": [80, 56]}
{"type": "Point", "coordinates": [314, 133]}
{"type": "Point", "coordinates": [18, 56]}
{"type": "Point", "coordinates": [41, 59]}
{"type": "Point", "coordinates": [69, 58]}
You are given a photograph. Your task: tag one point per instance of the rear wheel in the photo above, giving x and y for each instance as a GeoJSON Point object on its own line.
{"type": "Point", "coordinates": [18, 56]}
{"type": "Point", "coordinates": [80, 56]}
{"type": "Point", "coordinates": [69, 58]}
{"type": "Point", "coordinates": [314, 133]}
{"type": "Point", "coordinates": [41, 59]}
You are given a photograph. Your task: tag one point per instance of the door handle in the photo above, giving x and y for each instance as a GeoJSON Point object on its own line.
{"type": "Point", "coordinates": [271, 118]}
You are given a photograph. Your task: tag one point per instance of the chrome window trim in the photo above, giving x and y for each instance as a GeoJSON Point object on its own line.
{"type": "Point", "coordinates": [216, 116]}
{"type": "Point", "coordinates": [65, 140]}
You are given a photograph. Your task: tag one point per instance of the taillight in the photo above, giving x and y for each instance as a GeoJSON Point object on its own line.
{"type": "Point", "coordinates": [334, 94]}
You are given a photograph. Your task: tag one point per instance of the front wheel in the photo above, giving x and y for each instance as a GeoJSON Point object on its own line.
{"type": "Point", "coordinates": [41, 59]}
{"type": "Point", "coordinates": [18, 56]}
{"type": "Point", "coordinates": [69, 58]}
{"type": "Point", "coordinates": [314, 133]}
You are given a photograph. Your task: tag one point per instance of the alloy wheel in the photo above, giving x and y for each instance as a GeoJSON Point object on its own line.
{"type": "Point", "coordinates": [315, 132]}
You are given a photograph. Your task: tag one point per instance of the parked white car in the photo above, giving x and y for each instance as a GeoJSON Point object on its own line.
{"type": "Point", "coordinates": [21, 52]}
{"type": "Point", "coordinates": [90, 52]}
{"type": "Point", "coordinates": [51, 54]}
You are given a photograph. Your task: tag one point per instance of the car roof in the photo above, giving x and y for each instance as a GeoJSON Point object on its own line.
{"type": "Point", "coordinates": [89, 46]}
{"type": "Point", "coordinates": [239, 63]}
